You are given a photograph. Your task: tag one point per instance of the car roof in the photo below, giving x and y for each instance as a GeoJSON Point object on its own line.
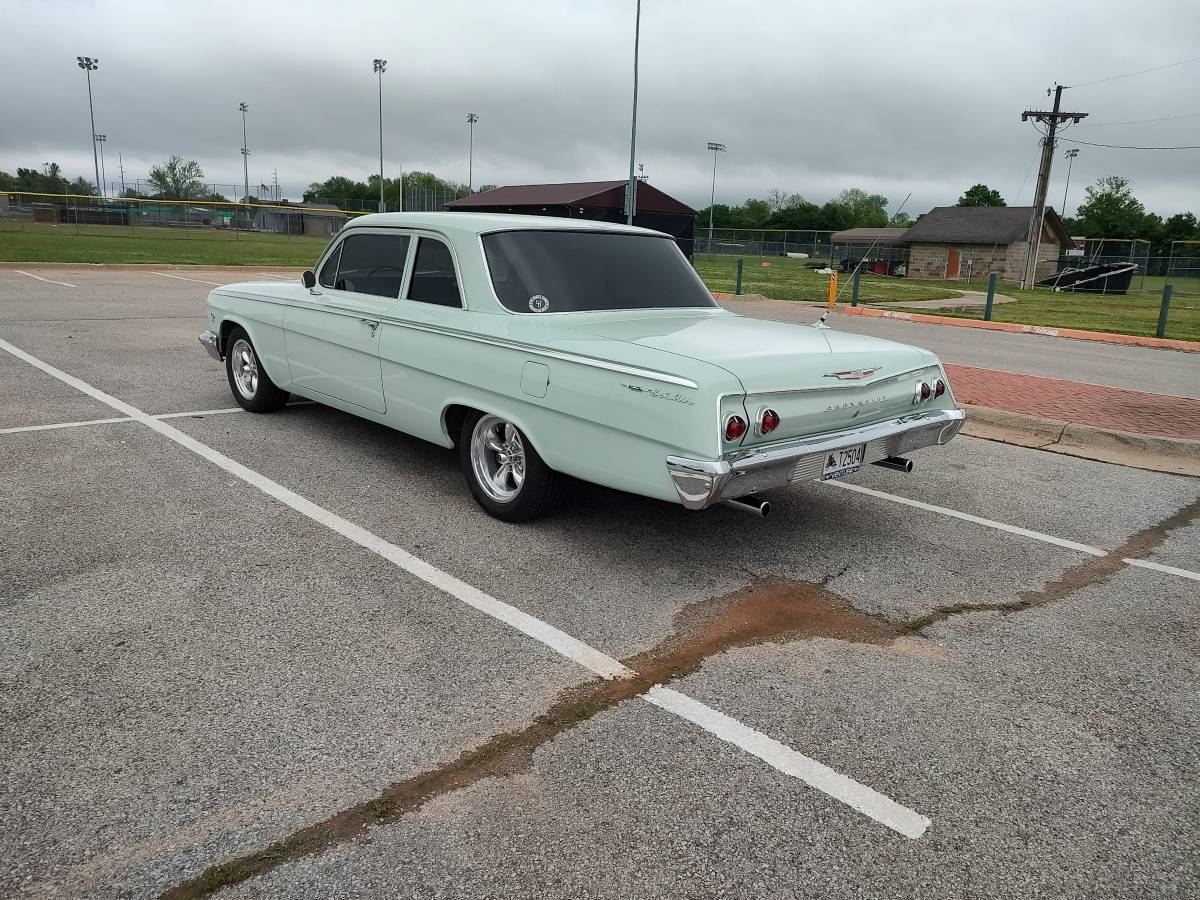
{"type": "Point", "coordinates": [468, 224]}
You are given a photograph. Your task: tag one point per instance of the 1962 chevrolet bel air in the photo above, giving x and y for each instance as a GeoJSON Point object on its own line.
{"type": "Point", "coordinates": [543, 348]}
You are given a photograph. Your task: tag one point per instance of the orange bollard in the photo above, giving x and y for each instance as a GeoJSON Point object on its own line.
{"type": "Point", "coordinates": [832, 289]}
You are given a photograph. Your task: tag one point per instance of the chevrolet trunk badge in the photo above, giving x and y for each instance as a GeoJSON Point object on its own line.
{"type": "Point", "coordinates": [852, 374]}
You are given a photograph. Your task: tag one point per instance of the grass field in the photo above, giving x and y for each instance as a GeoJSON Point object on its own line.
{"type": "Point", "coordinates": [1132, 313]}
{"type": "Point", "coordinates": [788, 279]}
{"type": "Point", "coordinates": [112, 244]}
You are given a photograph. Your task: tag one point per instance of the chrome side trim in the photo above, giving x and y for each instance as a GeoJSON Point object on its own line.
{"type": "Point", "coordinates": [703, 482]}
{"type": "Point", "coordinates": [271, 300]}
{"type": "Point", "coordinates": [542, 351]}
{"type": "Point", "coordinates": [212, 343]}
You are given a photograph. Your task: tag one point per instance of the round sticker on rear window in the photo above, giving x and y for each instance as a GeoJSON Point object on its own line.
{"type": "Point", "coordinates": [539, 303]}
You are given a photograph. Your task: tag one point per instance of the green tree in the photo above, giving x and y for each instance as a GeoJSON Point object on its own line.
{"type": "Point", "coordinates": [981, 195]}
{"type": "Point", "coordinates": [858, 209]}
{"type": "Point", "coordinates": [47, 180]}
{"type": "Point", "coordinates": [176, 179]}
{"type": "Point", "coordinates": [1109, 209]}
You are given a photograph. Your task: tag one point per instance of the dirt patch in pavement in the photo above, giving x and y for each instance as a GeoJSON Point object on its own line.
{"type": "Point", "coordinates": [765, 611]}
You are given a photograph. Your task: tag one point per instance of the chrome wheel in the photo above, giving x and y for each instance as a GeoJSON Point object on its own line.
{"type": "Point", "coordinates": [498, 458]}
{"type": "Point", "coordinates": [244, 366]}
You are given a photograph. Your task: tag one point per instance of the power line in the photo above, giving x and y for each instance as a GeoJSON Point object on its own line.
{"type": "Point", "coordinates": [1140, 121]}
{"type": "Point", "coordinates": [1113, 146]}
{"type": "Point", "coordinates": [1139, 72]}
{"type": "Point", "coordinates": [1126, 146]}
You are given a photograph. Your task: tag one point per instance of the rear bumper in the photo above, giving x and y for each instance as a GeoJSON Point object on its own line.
{"type": "Point", "coordinates": [703, 482]}
{"type": "Point", "coordinates": [211, 343]}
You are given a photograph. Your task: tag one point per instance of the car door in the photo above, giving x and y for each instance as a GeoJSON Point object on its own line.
{"type": "Point", "coordinates": [422, 360]}
{"type": "Point", "coordinates": [332, 331]}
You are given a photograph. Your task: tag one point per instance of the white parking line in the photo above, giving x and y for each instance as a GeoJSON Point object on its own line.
{"type": "Point", "coordinates": [272, 275]}
{"type": "Point", "coordinates": [967, 517]}
{"type": "Point", "coordinates": [178, 415]}
{"type": "Point", "coordinates": [63, 425]}
{"type": "Point", "coordinates": [1159, 567]}
{"type": "Point", "coordinates": [181, 278]}
{"type": "Point", "coordinates": [47, 280]}
{"type": "Point", "coordinates": [869, 802]}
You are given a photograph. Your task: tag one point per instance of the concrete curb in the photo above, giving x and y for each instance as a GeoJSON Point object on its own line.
{"type": "Point", "coordinates": [1140, 451]}
{"type": "Point", "coordinates": [1135, 340]}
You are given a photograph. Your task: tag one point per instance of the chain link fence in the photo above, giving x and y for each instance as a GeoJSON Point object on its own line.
{"type": "Point", "coordinates": [815, 245]}
{"type": "Point", "coordinates": [114, 216]}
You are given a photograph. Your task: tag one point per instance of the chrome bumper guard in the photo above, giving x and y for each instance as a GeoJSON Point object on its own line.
{"type": "Point", "coordinates": [703, 482]}
{"type": "Point", "coordinates": [212, 343]}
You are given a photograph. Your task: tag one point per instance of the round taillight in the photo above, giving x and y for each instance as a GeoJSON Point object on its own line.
{"type": "Point", "coordinates": [939, 388]}
{"type": "Point", "coordinates": [769, 421]}
{"type": "Point", "coordinates": [926, 391]}
{"type": "Point", "coordinates": [735, 427]}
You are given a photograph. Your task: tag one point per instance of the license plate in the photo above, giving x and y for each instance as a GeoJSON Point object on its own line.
{"type": "Point", "coordinates": [840, 463]}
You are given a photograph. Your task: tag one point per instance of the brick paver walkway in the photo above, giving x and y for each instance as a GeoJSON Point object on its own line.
{"type": "Point", "coordinates": [1073, 401]}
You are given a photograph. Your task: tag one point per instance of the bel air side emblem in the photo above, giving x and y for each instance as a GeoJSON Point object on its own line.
{"type": "Point", "coordinates": [852, 374]}
{"type": "Point", "coordinates": [661, 395]}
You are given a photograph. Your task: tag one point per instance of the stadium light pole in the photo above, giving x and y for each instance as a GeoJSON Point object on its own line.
{"type": "Point", "coordinates": [1070, 155]}
{"type": "Point", "coordinates": [90, 65]}
{"type": "Point", "coordinates": [715, 148]}
{"type": "Point", "coordinates": [100, 139]}
{"type": "Point", "coordinates": [380, 68]}
{"type": "Point", "coordinates": [471, 120]}
{"type": "Point", "coordinates": [631, 187]}
{"type": "Point", "coordinates": [245, 157]}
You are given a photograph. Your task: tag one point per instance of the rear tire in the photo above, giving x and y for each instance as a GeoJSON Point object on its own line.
{"type": "Point", "coordinates": [505, 473]}
{"type": "Point", "coordinates": [252, 387]}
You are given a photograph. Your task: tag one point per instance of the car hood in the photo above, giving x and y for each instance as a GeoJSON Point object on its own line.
{"type": "Point", "coordinates": [765, 355]}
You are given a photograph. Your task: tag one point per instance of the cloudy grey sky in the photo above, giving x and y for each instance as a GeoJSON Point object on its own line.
{"type": "Point", "coordinates": [920, 97]}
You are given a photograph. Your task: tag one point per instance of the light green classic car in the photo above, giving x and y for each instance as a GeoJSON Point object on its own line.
{"type": "Point", "coordinates": [544, 348]}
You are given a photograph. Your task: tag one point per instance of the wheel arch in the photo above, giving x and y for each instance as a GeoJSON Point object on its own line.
{"type": "Point", "coordinates": [226, 326]}
{"type": "Point", "coordinates": [456, 412]}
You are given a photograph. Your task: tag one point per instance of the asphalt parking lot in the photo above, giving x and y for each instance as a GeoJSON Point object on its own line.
{"type": "Point", "coordinates": [289, 656]}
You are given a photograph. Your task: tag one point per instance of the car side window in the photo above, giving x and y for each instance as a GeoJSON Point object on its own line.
{"type": "Point", "coordinates": [370, 264]}
{"type": "Point", "coordinates": [433, 278]}
{"type": "Point", "coordinates": [329, 270]}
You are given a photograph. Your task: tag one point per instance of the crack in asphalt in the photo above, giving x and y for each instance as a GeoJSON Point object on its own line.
{"type": "Point", "coordinates": [765, 611]}
{"type": "Point", "coordinates": [1093, 570]}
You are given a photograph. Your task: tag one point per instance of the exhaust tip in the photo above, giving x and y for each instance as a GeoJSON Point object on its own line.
{"type": "Point", "coordinates": [896, 463]}
{"type": "Point", "coordinates": [751, 504]}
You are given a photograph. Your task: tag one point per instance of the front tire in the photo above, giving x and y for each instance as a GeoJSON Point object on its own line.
{"type": "Point", "coordinates": [252, 387]}
{"type": "Point", "coordinates": [505, 473]}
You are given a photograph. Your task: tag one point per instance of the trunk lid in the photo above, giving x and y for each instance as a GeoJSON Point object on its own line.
{"type": "Point", "coordinates": [817, 380]}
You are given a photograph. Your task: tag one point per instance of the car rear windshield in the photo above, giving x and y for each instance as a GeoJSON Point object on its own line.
{"type": "Point", "coordinates": [576, 271]}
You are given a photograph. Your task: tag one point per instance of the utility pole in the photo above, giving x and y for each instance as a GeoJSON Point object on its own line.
{"type": "Point", "coordinates": [90, 65]}
{"type": "Point", "coordinates": [471, 120]}
{"type": "Point", "coordinates": [275, 185]}
{"type": "Point", "coordinates": [121, 166]}
{"type": "Point", "coordinates": [1052, 120]}
{"type": "Point", "coordinates": [631, 188]}
{"type": "Point", "coordinates": [380, 68]}
{"type": "Point", "coordinates": [245, 159]}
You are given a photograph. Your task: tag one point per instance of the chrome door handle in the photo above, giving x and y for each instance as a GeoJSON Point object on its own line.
{"type": "Point", "coordinates": [370, 323]}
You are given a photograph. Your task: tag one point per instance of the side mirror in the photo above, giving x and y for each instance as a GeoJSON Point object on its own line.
{"type": "Point", "coordinates": [309, 279]}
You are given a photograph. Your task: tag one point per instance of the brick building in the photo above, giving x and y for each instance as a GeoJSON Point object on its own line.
{"type": "Point", "coordinates": [970, 242]}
